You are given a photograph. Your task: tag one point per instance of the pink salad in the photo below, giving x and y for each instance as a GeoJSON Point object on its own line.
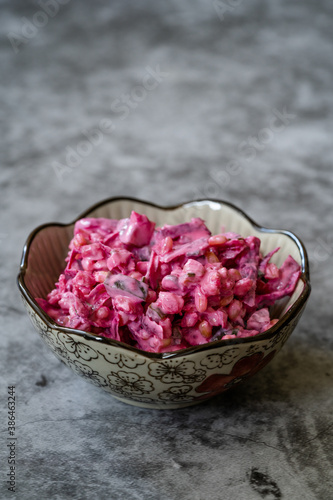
{"type": "Point", "coordinates": [165, 289]}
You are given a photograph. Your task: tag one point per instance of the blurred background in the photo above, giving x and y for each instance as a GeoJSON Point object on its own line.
{"type": "Point", "coordinates": [188, 86]}
{"type": "Point", "coordinates": [170, 101]}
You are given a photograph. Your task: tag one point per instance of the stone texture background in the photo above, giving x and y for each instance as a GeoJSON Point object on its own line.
{"type": "Point", "coordinates": [208, 128]}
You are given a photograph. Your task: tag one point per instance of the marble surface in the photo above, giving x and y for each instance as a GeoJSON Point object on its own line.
{"type": "Point", "coordinates": [179, 100]}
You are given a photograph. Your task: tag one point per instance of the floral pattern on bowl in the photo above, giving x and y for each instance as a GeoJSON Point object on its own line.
{"type": "Point", "coordinates": [168, 380]}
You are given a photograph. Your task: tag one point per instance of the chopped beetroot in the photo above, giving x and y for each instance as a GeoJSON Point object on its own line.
{"type": "Point", "coordinates": [277, 288]}
{"type": "Point", "coordinates": [265, 261]}
{"type": "Point", "coordinates": [170, 303]}
{"type": "Point", "coordinates": [137, 230]}
{"type": "Point", "coordinates": [231, 249]}
{"type": "Point", "coordinates": [119, 284]}
{"type": "Point", "coordinates": [165, 289]}
{"type": "Point", "coordinates": [189, 231]}
{"type": "Point", "coordinates": [259, 319]}
{"type": "Point", "coordinates": [189, 249]}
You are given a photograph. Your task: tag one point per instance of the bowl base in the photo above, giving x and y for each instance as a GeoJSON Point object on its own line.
{"type": "Point", "coordinates": [158, 406]}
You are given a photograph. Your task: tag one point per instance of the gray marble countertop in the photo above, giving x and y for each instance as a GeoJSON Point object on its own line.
{"type": "Point", "coordinates": [168, 101]}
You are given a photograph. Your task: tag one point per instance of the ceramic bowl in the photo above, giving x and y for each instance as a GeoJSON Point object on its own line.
{"type": "Point", "coordinates": [159, 380]}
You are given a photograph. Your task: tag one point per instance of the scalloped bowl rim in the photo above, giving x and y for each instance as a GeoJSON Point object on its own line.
{"type": "Point", "coordinates": [268, 334]}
